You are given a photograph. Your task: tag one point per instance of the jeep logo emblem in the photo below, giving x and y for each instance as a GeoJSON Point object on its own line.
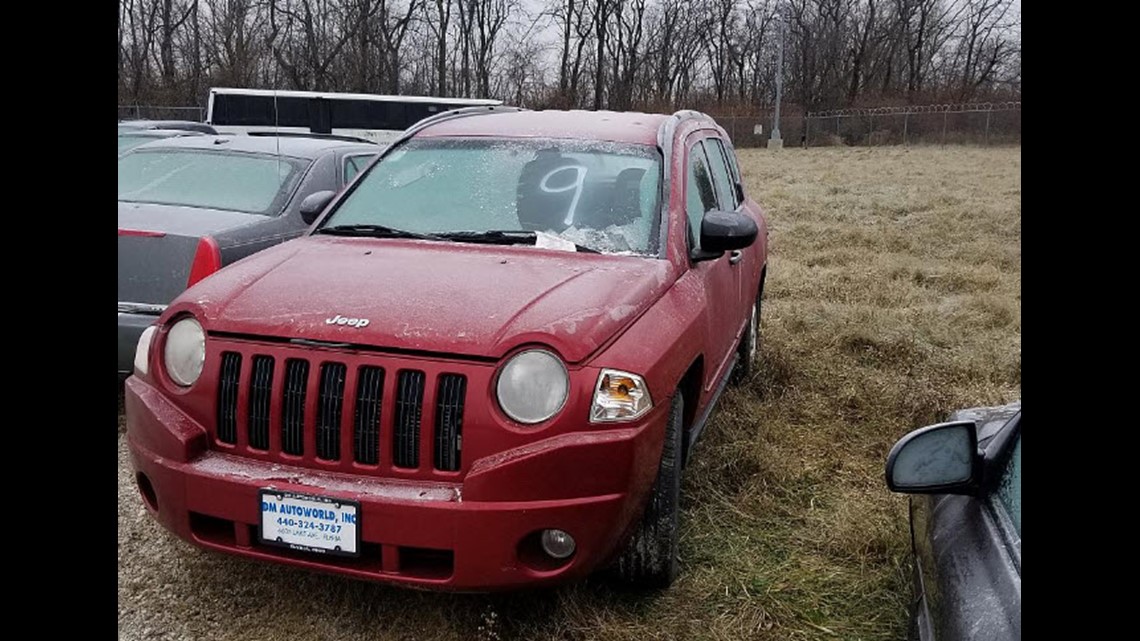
{"type": "Point", "coordinates": [358, 323]}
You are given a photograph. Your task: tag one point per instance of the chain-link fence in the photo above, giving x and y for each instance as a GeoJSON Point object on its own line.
{"type": "Point", "coordinates": [982, 124]}
{"type": "Point", "coordinates": [152, 112]}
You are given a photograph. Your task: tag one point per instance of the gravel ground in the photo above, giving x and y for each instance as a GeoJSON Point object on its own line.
{"type": "Point", "coordinates": [169, 589]}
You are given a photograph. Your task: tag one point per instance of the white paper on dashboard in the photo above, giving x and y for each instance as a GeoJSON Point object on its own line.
{"type": "Point", "coordinates": [550, 241]}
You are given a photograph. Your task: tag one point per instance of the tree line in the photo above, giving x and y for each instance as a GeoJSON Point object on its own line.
{"type": "Point", "coordinates": [596, 54]}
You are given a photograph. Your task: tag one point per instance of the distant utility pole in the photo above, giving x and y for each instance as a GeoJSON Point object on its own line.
{"type": "Point", "coordinates": [775, 141]}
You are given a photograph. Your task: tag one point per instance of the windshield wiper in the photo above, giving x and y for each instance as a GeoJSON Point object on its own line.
{"type": "Point", "coordinates": [502, 237]}
{"type": "Point", "coordinates": [374, 231]}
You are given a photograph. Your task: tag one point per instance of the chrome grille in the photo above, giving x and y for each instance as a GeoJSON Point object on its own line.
{"type": "Point", "coordinates": [228, 397]}
{"type": "Point", "coordinates": [366, 419]}
{"type": "Point", "coordinates": [329, 403]}
{"type": "Point", "coordinates": [409, 410]}
{"type": "Point", "coordinates": [339, 409]}
{"type": "Point", "coordinates": [449, 421]}
{"type": "Point", "coordinates": [260, 396]}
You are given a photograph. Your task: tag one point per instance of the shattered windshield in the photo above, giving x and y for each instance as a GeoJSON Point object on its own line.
{"type": "Point", "coordinates": [604, 196]}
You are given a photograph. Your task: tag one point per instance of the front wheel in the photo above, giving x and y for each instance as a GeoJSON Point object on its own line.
{"type": "Point", "coordinates": [746, 353]}
{"type": "Point", "coordinates": [650, 558]}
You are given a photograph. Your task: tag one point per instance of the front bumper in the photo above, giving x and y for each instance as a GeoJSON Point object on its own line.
{"type": "Point", "coordinates": [476, 533]}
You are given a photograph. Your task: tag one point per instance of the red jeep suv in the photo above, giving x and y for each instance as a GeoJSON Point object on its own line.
{"type": "Point", "coordinates": [482, 368]}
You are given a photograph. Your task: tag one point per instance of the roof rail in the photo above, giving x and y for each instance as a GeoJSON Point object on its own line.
{"type": "Point", "coordinates": [665, 132]}
{"type": "Point", "coordinates": [301, 134]}
{"type": "Point", "coordinates": [669, 127]}
{"type": "Point", "coordinates": [454, 114]}
{"type": "Point", "coordinates": [687, 114]}
{"type": "Point", "coordinates": [445, 116]}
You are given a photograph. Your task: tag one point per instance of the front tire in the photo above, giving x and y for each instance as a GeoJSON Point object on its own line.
{"type": "Point", "coordinates": [749, 345]}
{"type": "Point", "coordinates": [650, 558]}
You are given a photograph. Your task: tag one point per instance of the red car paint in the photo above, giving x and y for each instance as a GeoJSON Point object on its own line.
{"type": "Point", "coordinates": [450, 309]}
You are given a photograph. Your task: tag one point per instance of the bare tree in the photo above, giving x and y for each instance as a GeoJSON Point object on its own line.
{"type": "Point", "coordinates": [489, 16]}
{"type": "Point", "coordinates": [750, 56]}
{"type": "Point", "coordinates": [393, 25]}
{"type": "Point", "coordinates": [626, 51]}
{"type": "Point", "coordinates": [862, 26]}
{"type": "Point", "coordinates": [142, 27]}
{"type": "Point", "coordinates": [984, 46]}
{"type": "Point", "coordinates": [172, 15]}
{"type": "Point", "coordinates": [601, 14]}
{"type": "Point", "coordinates": [717, 29]}
{"type": "Point", "coordinates": [620, 54]}
{"type": "Point", "coordinates": [231, 41]}
{"type": "Point", "coordinates": [438, 23]}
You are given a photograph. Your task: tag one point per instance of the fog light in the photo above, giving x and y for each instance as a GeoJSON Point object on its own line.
{"type": "Point", "coordinates": [557, 543]}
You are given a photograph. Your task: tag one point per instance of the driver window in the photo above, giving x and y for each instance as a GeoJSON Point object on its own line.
{"type": "Point", "coordinates": [721, 178]}
{"type": "Point", "coordinates": [700, 196]}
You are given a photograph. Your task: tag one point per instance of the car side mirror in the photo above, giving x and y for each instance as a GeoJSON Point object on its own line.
{"type": "Point", "coordinates": [314, 204]}
{"type": "Point", "coordinates": [723, 231]}
{"type": "Point", "coordinates": [938, 459]}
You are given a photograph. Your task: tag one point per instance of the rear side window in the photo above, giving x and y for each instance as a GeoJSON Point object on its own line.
{"type": "Point", "coordinates": [725, 190]}
{"type": "Point", "coordinates": [355, 164]}
{"type": "Point", "coordinates": [700, 195]}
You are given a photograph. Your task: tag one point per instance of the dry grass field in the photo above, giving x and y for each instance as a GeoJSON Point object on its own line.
{"type": "Point", "coordinates": [893, 298]}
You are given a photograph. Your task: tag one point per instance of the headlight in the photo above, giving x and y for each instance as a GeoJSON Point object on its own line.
{"type": "Point", "coordinates": [142, 351]}
{"type": "Point", "coordinates": [619, 396]}
{"type": "Point", "coordinates": [185, 351]}
{"type": "Point", "coordinates": [533, 386]}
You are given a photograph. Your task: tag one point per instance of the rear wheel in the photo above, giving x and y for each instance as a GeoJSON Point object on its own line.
{"type": "Point", "coordinates": [650, 558]}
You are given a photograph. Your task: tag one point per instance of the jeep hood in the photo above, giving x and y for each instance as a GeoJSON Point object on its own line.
{"type": "Point", "coordinates": [451, 298]}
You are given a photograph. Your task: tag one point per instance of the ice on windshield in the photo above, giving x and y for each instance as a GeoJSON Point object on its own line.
{"type": "Point", "coordinates": [604, 196]}
{"type": "Point", "coordinates": [257, 184]}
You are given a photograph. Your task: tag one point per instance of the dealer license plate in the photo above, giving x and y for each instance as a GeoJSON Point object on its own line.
{"type": "Point", "coordinates": [310, 523]}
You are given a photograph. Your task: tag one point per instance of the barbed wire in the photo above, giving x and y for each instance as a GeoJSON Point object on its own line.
{"type": "Point", "coordinates": [918, 109]}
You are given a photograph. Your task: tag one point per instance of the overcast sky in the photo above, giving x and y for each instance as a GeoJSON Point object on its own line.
{"type": "Point", "coordinates": [542, 31]}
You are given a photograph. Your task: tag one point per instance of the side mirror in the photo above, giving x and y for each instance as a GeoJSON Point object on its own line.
{"type": "Point", "coordinates": [723, 231]}
{"type": "Point", "coordinates": [939, 459]}
{"type": "Point", "coordinates": [314, 204]}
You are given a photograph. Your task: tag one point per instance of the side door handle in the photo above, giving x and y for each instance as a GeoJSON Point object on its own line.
{"type": "Point", "coordinates": [735, 256]}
